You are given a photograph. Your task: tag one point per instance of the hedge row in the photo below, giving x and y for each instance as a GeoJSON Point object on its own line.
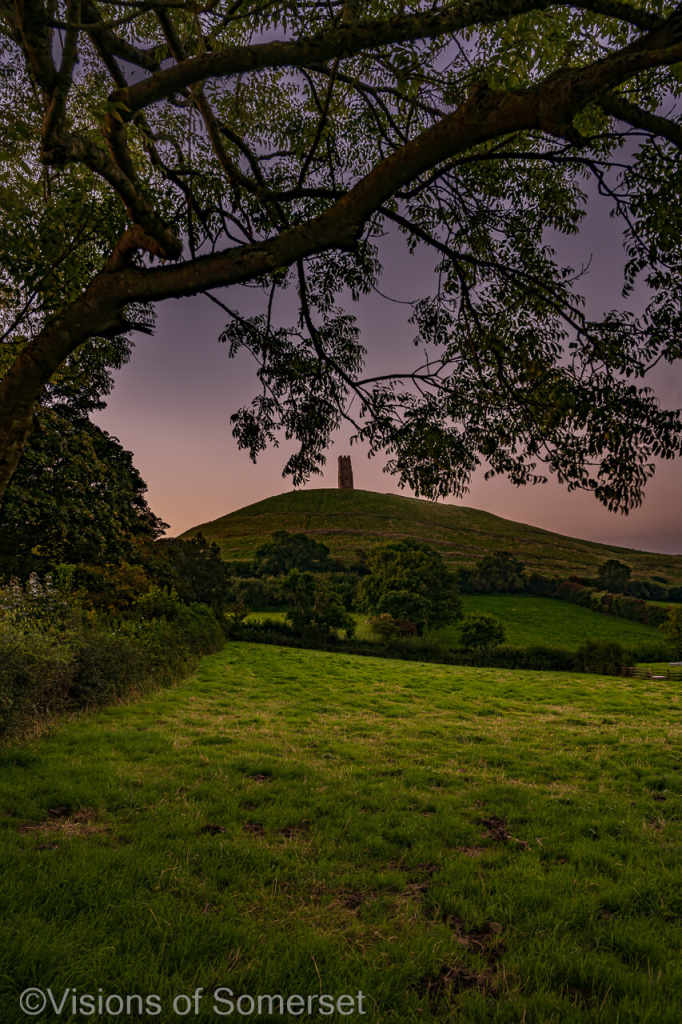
{"type": "Point", "coordinates": [45, 672]}
{"type": "Point", "coordinates": [620, 605]}
{"type": "Point", "coordinates": [601, 657]}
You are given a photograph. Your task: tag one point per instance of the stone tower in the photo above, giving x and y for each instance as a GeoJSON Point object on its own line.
{"type": "Point", "coordinates": [345, 473]}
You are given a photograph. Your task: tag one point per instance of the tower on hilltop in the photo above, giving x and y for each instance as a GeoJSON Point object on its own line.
{"type": "Point", "coordinates": [345, 473]}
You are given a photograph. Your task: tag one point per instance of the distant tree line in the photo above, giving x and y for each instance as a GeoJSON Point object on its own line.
{"type": "Point", "coordinates": [77, 505]}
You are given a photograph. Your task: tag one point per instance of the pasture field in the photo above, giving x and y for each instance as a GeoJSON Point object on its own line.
{"type": "Point", "coordinates": [545, 621]}
{"type": "Point", "coordinates": [532, 621]}
{"type": "Point", "coordinates": [458, 844]}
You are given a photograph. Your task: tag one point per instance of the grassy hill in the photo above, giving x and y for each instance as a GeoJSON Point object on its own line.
{"type": "Point", "coordinates": [348, 520]}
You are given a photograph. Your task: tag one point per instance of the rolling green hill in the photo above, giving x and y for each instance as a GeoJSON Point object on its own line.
{"type": "Point", "coordinates": [348, 520]}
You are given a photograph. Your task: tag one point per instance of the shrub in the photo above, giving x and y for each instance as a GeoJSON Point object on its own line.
{"type": "Point", "coordinates": [386, 626]}
{"type": "Point", "coordinates": [112, 589]}
{"type": "Point", "coordinates": [542, 586]}
{"type": "Point", "coordinates": [55, 658]}
{"type": "Point", "coordinates": [500, 573]}
{"type": "Point", "coordinates": [671, 629]}
{"type": "Point", "coordinates": [481, 631]}
{"type": "Point", "coordinates": [620, 605]}
{"type": "Point", "coordinates": [409, 580]}
{"type": "Point", "coordinates": [286, 551]}
{"type": "Point", "coordinates": [314, 606]}
{"type": "Point", "coordinates": [405, 606]}
{"type": "Point", "coordinates": [255, 592]}
{"type": "Point", "coordinates": [614, 576]}
{"type": "Point", "coordinates": [604, 657]}
{"type": "Point", "coordinates": [197, 571]}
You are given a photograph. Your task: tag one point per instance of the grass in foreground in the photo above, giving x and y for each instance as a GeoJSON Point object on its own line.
{"type": "Point", "coordinates": [458, 844]}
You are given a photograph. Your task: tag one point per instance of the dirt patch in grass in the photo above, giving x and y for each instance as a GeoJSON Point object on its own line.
{"type": "Point", "coordinates": [254, 828]}
{"type": "Point", "coordinates": [213, 830]}
{"type": "Point", "coordinates": [293, 831]}
{"type": "Point", "coordinates": [579, 995]}
{"type": "Point", "coordinates": [454, 978]}
{"type": "Point", "coordinates": [483, 940]}
{"type": "Point", "coordinates": [498, 832]}
{"type": "Point", "coordinates": [415, 890]}
{"type": "Point", "coordinates": [354, 898]}
{"type": "Point", "coordinates": [83, 823]}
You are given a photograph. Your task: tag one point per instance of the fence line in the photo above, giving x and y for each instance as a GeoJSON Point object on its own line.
{"type": "Point", "coordinates": [638, 672]}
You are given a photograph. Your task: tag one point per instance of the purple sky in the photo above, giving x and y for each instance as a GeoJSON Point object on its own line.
{"type": "Point", "coordinates": [172, 404]}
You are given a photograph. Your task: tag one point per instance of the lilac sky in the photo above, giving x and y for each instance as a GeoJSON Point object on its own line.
{"type": "Point", "coordinates": [172, 403]}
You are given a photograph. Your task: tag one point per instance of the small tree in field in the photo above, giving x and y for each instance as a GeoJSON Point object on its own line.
{"type": "Point", "coordinates": [314, 605]}
{"type": "Point", "coordinates": [672, 630]}
{"type": "Point", "coordinates": [410, 582]}
{"type": "Point", "coordinates": [287, 551]}
{"type": "Point", "coordinates": [480, 631]}
{"type": "Point", "coordinates": [614, 576]}
{"type": "Point", "coordinates": [501, 573]}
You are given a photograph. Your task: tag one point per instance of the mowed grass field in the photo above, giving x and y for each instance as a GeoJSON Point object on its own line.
{"type": "Point", "coordinates": [457, 844]}
{"type": "Point", "coordinates": [532, 621]}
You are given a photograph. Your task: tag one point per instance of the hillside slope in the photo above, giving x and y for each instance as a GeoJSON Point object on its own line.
{"type": "Point", "coordinates": [348, 520]}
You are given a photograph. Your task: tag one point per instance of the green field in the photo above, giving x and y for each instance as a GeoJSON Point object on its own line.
{"type": "Point", "coordinates": [546, 622]}
{"type": "Point", "coordinates": [348, 520]}
{"type": "Point", "coordinates": [534, 621]}
{"type": "Point", "coordinates": [457, 844]}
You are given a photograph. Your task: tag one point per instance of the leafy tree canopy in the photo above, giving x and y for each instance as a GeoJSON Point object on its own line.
{"type": "Point", "coordinates": [480, 631]}
{"type": "Point", "coordinates": [672, 630]}
{"type": "Point", "coordinates": [314, 605]}
{"type": "Point", "coordinates": [157, 150]}
{"type": "Point", "coordinates": [501, 573]}
{"type": "Point", "coordinates": [197, 571]}
{"type": "Point", "coordinates": [409, 581]}
{"type": "Point", "coordinates": [75, 498]}
{"type": "Point", "coordinates": [291, 551]}
{"type": "Point", "coordinates": [614, 576]}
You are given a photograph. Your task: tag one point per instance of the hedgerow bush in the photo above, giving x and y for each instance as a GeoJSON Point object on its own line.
{"type": "Point", "coordinates": [621, 605]}
{"type": "Point", "coordinates": [593, 658]}
{"type": "Point", "coordinates": [56, 657]}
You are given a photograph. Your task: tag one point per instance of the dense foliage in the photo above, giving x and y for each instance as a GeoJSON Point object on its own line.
{"type": "Point", "coordinates": [314, 605]}
{"type": "Point", "coordinates": [614, 576]}
{"type": "Point", "coordinates": [195, 569]}
{"type": "Point", "coordinates": [75, 498]}
{"type": "Point", "coordinates": [157, 150]}
{"type": "Point", "coordinates": [286, 551]}
{"type": "Point", "coordinates": [56, 657]}
{"type": "Point", "coordinates": [410, 582]}
{"type": "Point", "coordinates": [597, 656]}
{"type": "Point", "coordinates": [481, 631]}
{"type": "Point", "coordinates": [499, 573]}
{"type": "Point", "coordinates": [671, 629]}
{"type": "Point", "coordinates": [621, 605]}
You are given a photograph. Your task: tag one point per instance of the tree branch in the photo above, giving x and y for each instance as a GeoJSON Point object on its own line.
{"type": "Point", "coordinates": [114, 45]}
{"type": "Point", "coordinates": [623, 110]}
{"type": "Point", "coordinates": [349, 40]}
